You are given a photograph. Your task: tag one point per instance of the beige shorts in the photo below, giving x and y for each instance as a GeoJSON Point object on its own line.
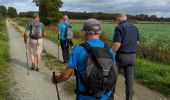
{"type": "Point", "coordinates": [35, 46]}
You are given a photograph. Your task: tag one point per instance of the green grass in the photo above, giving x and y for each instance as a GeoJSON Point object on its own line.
{"type": "Point", "coordinates": [22, 21]}
{"type": "Point", "coordinates": [55, 65]}
{"type": "Point", "coordinates": [52, 62]}
{"type": "Point", "coordinates": [154, 75]}
{"type": "Point", "coordinates": [4, 60]}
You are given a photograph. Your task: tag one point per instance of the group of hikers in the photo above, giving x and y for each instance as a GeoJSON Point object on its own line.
{"type": "Point", "coordinates": [95, 64]}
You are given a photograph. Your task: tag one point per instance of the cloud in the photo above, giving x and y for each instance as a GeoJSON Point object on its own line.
{"type": "Point", "coordinates": [150, 7]}
{"type": "Point", "coordinates": [158, 7]}
{"type": "Point", "coordinates": [20, 5]}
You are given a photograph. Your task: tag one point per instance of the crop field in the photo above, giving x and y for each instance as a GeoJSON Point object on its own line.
{"type": "Point", "coordinates": [154, 40]}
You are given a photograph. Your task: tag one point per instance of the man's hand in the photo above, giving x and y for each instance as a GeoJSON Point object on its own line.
{"type": "Point", "coordinates": [54, 79]}
{"type": "Point", "coordinates": [25, 40]}
{"type": "Point", "coordinates": [25, 37]}
{"type": "Point", "coordinates": [62, 77]}
{"type": "Point", "coordinates": [58, 32]}
{"type": "Point", "coordinates": [116, 46]}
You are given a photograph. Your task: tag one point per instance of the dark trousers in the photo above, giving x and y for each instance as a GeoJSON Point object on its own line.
{"type": "Point", "coordinates": [65, 50]}
{"type": "Point", "coordinates": [127, 63]}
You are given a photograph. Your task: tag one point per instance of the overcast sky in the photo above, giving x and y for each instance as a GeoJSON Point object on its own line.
{"type": "Point", "coordinates": [150, 7]}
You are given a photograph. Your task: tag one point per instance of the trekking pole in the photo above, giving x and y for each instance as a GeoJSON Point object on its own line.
{"type": "Point", "coordinates": [37, 54]}
{"type": "Point", "coordinates": [58, 45]}
{"type": "Point", "coordinates": [26, 46]}
{"type": "Point", "coordinates": [56, 86]}
{"type": "Point", "coordinates": [44, 50]}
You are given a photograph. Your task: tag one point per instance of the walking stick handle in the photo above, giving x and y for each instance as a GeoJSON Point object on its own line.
{"type": "Point", "coordinates": [53, 76]}
{"type": "Point", "coordinates": [56, 86]}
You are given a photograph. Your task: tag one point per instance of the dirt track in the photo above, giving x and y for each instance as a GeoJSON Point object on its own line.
{"type": "Point", "coordinates": [37, 85]}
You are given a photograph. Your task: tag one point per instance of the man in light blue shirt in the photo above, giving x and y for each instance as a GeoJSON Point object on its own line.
{"type": "Point", "coordinates": [79, 56]}
{"type": "Point", "coordinates": [64, 42]}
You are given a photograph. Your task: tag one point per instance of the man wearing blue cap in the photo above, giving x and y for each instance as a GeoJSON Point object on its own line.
{"type": "Point", "coordinates": [79, 59]}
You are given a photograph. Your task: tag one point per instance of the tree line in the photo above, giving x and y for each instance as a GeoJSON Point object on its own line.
{"type": "Point", "coordinates": [49, 13]}
{"type": "Point", "coordinates": [10, 11]}
{"type": "Point", "coordinates": [109, 16]}
{"type": "Point", "coordinates": [101, 16]}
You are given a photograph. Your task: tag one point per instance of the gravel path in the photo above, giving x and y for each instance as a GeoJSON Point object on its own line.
{"type": "Point", "coordinates": [37, 86]}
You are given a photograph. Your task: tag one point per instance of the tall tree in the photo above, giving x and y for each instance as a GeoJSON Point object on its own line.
{"type": "Point", "coordinates": [3, 11]}
{"type": "Point", "coordinates": [153, 18]}
{"type": "Point", "coordinates": [12, 12]}
{"type": "Point", "coordinates": [49, 10]}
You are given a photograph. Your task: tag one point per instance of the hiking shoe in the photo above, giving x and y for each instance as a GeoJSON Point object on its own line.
{"type": "Point", "coordinates": [33, 66]}
{"type": "Point", "coordinates": [37, 69]}
{"type": "Point", "coordinates": [65, 62]}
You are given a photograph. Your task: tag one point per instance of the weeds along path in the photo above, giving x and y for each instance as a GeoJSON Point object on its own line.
{"type": "Point", "coordinates": [141, 92]}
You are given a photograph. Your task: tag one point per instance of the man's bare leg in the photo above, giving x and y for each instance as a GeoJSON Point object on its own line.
{"type": "Point", "coordinates": [38, 61]}
{"type": "Point", "coordinates": [32, 59]}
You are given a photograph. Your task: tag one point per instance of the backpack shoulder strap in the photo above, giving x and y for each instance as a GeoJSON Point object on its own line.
{"type": "Point", "coordinates": [89, 48]}
{"type": "Point", "coordinates": [86, 46]}
{"type": "Point", "coordinates": [105, 45]}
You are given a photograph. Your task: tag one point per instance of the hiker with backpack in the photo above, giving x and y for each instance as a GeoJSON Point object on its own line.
{"type": "Point", "coordinates": [125, 46]}
{"type": "Point", "coordinates": [65, 32]}
{"type": "Point", "coordinates": [35, 31]}
{"type": "Point", "coordinates": [94, 65]}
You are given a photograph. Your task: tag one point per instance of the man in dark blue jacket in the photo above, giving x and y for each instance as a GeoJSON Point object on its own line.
{"type": "Point", "coordinates": [125, 45]}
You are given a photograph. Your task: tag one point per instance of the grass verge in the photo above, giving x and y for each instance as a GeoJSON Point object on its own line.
{"type": "Point", "coordinates": [54, 64]}
{"type": "Point", "coordinates": [4, 61]}
{"type": "Point", "coordinates": [154, 75]}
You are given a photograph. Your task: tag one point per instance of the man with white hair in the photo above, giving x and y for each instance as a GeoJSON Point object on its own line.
{"type": "Point", "coordinates": [64, 42]}
{"type": "Point", "coordinates": [125, 46]}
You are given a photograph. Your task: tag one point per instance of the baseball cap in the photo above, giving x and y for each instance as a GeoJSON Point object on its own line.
{"type": "Point", "coordinates": [92, 25]}
{"type": "Point", "coordinates": [120, 14]}
{"type": "Point", "coordinates": [35, 15]}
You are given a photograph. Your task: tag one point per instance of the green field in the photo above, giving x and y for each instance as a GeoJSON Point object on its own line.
{"type": "Point", "coordinates": [154, 40]}
{"type": "Point", "coordinates": [4, 60]}
{"type": "Point", "coordinates": [153, 63]}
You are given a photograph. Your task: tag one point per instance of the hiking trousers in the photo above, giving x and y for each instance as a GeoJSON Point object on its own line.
{"type": "Point", "coordinates": [127, 62]}
{"type": "Point", "coordinates": [65, 50]}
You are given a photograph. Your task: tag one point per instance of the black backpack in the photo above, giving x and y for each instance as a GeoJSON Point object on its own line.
{"type": "Point", "coordinates": [101, 72]}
